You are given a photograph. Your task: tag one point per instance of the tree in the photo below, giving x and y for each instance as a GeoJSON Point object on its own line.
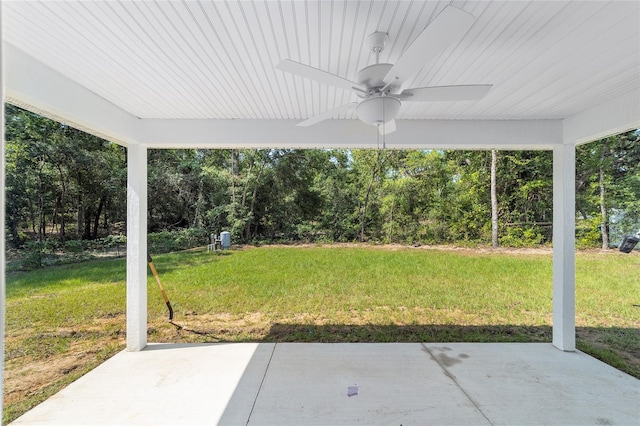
{"type": "Point", "coordinates": [607, 188]}
{"type": "Point", "coordinates": [62, 183]}
{"type": "Point", "coordinates": [525, 189]}
{"type": "Point", "coordinates": [338, 187]}
{"type": "Point", "coordinates": [375, 171]}
{"type": "Point", "coordinates": [494, 199]}
{"type": "Point", "coordinates": [472, 203]}
{"type": "Point", "coordinates": [604, 223]}
{"type": "Point", "coordinates": [51, 165]}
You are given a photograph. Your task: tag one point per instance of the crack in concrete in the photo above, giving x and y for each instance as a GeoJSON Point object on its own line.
{"type": "Point", "coordinates": [452, 377]}
{"type": "Point", "coordinates": [264, 376]}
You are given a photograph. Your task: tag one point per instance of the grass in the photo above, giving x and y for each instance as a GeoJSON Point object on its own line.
{"type": "Point", "coordinates": [331, 282]}
{"type": "Point", "coordinates": [66, 320]}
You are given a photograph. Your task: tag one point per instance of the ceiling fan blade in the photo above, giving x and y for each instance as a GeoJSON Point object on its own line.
{"type": "Point", "coordinates": [448, 27]}
{"type": "Point", "coordinates": [326, 115]}
{"type": "Point", "coordinates": [388, 127]}
{"type": "Point", "coordinates": [472, 92]}
{"type": "Point", "coordinates": [307, 71]}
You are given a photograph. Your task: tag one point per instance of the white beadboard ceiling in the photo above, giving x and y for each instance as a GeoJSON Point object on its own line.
{"type": "Point", "coordinates": [216, 60]}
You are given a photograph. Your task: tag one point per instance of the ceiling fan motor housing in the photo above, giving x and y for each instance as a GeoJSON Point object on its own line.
{"type": "Point", "coordinates": [372, 77]}
{"type": "Point", "coordinates": [378, 110]}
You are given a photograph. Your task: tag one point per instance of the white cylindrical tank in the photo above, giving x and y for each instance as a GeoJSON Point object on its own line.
{"type": "Point", "coordinates": [225, 239]}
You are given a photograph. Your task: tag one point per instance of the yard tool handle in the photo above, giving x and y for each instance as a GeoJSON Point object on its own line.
{"type": "Point", "coordinates": [164, 294]}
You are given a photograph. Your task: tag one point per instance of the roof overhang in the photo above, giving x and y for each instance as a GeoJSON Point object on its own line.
{"type": "Point", "coordinates": [38, 86]}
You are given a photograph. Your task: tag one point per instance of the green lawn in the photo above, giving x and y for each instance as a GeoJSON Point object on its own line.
{"type": "Point", "coordinates": [336, 294]}
{"type": "Point", "coordinates": [331, 282]}
{"type": "Point", "coordinates": [463, 288]}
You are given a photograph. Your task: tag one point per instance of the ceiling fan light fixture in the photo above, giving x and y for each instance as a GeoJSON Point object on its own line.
{"type": "Point", "coordinates": [378, 84]}
{"type": "Point", "coordinates": [381, 109]}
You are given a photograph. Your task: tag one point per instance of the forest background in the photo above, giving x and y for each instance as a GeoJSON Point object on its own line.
{"type": "Point", "coordinates": [66, 193]}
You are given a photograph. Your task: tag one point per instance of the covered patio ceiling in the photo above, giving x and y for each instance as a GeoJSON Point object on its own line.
{"type": "Point", "coordinates": [186, 74]}
{"type": "Point", "coordinates": [202, 74]}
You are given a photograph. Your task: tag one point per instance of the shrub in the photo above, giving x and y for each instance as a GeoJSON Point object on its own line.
{"type": "Point", "coordinates": [167, 241]}
{"type": "Point", "coordinates": [588, 233]}
{"type": "Point", "coordinates": [33, 255]}
{"type": "Point", "coordinates": [73, 246]}
{"type": "Point", "coordinates": [521, 237]}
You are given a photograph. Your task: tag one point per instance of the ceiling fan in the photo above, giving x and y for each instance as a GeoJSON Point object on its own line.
{"type": "Point", "coordinates": [379, 85]}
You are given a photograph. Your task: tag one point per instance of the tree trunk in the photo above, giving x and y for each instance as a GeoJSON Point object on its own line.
{"type": "Point", "coordinates": [494, 199]}
{"type": "Point", "coordinates": [390, 228]}
{"type": "Point", "coordinates": [41, 225]}
{"type": "Point", "coordinates": [235, 171]}
{"type": "Point", "coordinates": [80, 221]}
{"type": "Point", "coordinates": [105, 222]}
{"type": "Point", "coordinates": [604, 224]}
{"type": "Point", "coordinates": [80, 207]}
{"type": "Point", "coordinates": [12, 224]}
{"type": "Point", "coordinates": [234, 176]}
{"type": "Point", "coordinates": [245, 189]}
{"type": "Point", "coordinates": [54, 216]}
{"type": "Point", "coordinates": [253, 198]}
{"type": "Point", "coordinates": [363, 215]}
{"type": "Point", "coordinates": [96, 219]}
{"type": "Point", "coordinates": [63, 195]}
{"type": "Point", "coordinates": [197, 214]}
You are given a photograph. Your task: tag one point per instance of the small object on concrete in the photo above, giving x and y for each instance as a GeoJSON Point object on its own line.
{"type": "Point", "coordinates": [352, 390]}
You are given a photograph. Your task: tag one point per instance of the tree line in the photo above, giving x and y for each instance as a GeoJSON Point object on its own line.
{"type": "Point", "coordinates": [64, 185]}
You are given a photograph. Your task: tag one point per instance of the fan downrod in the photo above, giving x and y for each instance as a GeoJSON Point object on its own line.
{"type": "Point", "coordinates": [376, 42]}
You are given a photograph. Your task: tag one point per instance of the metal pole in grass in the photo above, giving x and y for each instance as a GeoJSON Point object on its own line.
{"type": "Point", "coordinates": [166, 300]}
{"type": "Point", "coordinates": [627, 245]}
{"type": "Point", "coordinates": [164, 294]}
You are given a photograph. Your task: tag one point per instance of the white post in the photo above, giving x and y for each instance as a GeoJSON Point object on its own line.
{"type": "Point", "coordinates": [2, 218]}
{"type": "Point", "coordinates": [136, 247]}
{"type": "Point", "coordinates": [564, 270]}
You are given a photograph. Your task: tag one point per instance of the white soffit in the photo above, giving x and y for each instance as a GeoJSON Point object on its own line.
{"type": "Point", "coordinates": [216, 60]}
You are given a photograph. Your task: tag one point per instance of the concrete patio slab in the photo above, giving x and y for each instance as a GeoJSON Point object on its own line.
{"type": "Point", "coordinates": [345, 384]}
{"type": "Point", "coordinates": [360, 383]}
{"type": "Point", "coordinates": [534, 384]}
{"type": "Point", "coordinates": [161, 385]}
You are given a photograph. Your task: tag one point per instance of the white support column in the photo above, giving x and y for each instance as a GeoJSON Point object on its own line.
{"type": "Point", "coordinates": [2, 218]}
{"type": "Point", "coordinates": [136, 247]}
{"type": "Point", "coordinates": [564, 270]}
